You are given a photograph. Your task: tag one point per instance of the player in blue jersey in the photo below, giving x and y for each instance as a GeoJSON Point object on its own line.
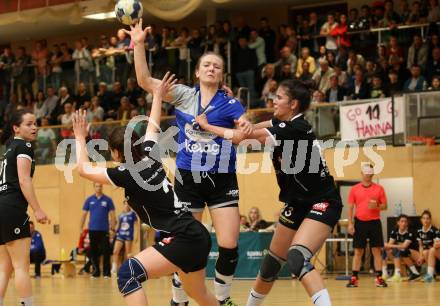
{"type": "Point", "coordinates": [312, 203]}
{"type": "Point", "coordinates": [206, 173]}
{"type": "Point", "coordinates": [149, 192]}
{"type": "Point", "coordinates": [125, 235]}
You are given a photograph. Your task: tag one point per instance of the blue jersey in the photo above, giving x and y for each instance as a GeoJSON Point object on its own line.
{"type": "Point", "coordinates": [37, 244]}
{"type": "Point", "coordinates": [99, 209]}
{"type": "Point", "coordinates": [200, 150]}
{"type": "Point", "coordinates": [126, 226]}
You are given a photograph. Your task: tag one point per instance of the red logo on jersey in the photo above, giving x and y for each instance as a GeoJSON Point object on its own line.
{"type": "Point", "coordinates": [320, 206]}
{"type": "Point", "coordinates": [167, 240]}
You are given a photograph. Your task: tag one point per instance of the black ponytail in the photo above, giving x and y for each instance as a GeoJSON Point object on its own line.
{"type": "Point", "coordinates": [297, 90]}
{"type": "Point", "coordinates": [16, 118]}
{"type": "Point", "coordinates": [117, 142]}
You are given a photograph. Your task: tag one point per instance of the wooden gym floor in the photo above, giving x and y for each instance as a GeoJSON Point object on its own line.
{"type": "Point", "coordinates": [83, 291]}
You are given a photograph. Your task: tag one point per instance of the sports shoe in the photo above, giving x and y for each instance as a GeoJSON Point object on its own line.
{"type": "Point", "coordinates": [428, 278]}
{"type": "Point", "coordinates": [413, 276]}
{"type": "Point", "coordinates": [396, 278]}
{"type": "Point", "coordinates": [353, 283]}
{"type": "Point", "coordinates": [172, 303]}
{"type": "Point", "coordinates": [380, 282]}
{"type": "Point", "coordinates": [227, 302]}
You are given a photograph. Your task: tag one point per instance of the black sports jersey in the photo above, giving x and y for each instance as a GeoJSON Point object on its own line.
{"type": "Point", "coordinates": [427, 238]}
{"type": "Point", "coordinates": [300, 168]}
{"type": "Point", "coordinates": [12, 200]}
{"type": "Point", "coordinates": [399, 237]}
{"type": "Point", "coordinates": [150, 193]}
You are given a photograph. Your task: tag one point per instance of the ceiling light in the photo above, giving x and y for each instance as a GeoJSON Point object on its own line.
{"type": "Point", "coordinates": [101, 16]}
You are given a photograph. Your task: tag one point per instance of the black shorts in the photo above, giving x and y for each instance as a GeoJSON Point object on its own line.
{"type": "Point", "coordinates": [188, 250]}
{"type": "Point", "coordinates": [326, 209]}
{"type": "Point", "coordinates": [364, 230]}
{"type": "Point", "coordinates": [14, 227]}
{"type": "Point", "coordinates": [215, 190]}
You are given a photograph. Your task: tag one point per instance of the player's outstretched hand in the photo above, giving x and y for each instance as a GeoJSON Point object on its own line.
{"type": "Point", "coordinates": [41, 217]}
{"type": "Point", "coordinates": [136, 33]}
{"type": "Point", "coordinates": [165, 86]}
{"type": "Point", "coordinates": [80, 125]}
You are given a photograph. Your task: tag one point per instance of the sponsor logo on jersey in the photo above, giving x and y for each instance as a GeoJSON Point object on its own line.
{"type": "Point", "coordinates": [322, 207]}
{"type": "Point", "coordinates": [198, 135]}
{"type": "Point", "coordinates": [232, 101]}
{"type": "Point", "coordinates": [28, 144]}
{"type": "Point", "coordinates": [233, 193]}
{"type": "Point", "coordinates": [121, 168]}
{"type": "Point", "coordinates": [104, 203]}
{"type": "Point", "coordinates": [282, 125]}
{"type": "Point", "coordinates": [17, 231]}
{"type": "Point", "coordinates": [197, 147]}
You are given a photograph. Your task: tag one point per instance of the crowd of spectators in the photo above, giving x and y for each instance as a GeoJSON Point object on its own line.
{"type": "Point", "coordinates": [334, 53]}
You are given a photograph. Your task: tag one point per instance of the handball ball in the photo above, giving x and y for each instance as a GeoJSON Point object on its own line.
{"type": "Point", "coordinates": [128, 11]}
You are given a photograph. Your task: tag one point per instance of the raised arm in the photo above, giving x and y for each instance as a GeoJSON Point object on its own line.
{"type": "Point", "coordinates": [143, 75]}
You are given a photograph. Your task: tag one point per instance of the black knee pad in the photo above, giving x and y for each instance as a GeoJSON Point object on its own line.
{"type": "Point", "coordinates": [227, 261]}
{"type": "Point", "coordinates": [130, 276]}
{"type": "Point", "coordinates": [270, 267]}
{"type": "Point", "coordinates": [298, 259]}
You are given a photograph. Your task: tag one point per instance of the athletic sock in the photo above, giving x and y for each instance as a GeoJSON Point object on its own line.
{"type": "Point", "coordinates": [113, 267]}
{"type": "Point", "coordinates": [356, 274]}
{"type": "Point", "coordinates": [29, 301]}
{"type": "Point", "coordinates": [255, 298]}
{"type": "Point", "coordinates": [179, 295]}
{"type": "Point", "coordinates": [222, 286]}
{"type": "Point", "coordinates": [397, 272]}
{"type": "Point", "coordinates": [429, 272]}
{"type": "Point", "coordinates": [321, 298]}
{"type": "Point", "coordinates": [414, 270]}
{"type": "Point", "coordinates": [384, 271]}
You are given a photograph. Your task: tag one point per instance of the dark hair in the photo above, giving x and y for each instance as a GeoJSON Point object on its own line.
{"type": "Point", "coordinates": [31, 222]}
{"type": "Point", "coordinates": [15, 119]}
{"type": "Point", "coordinates": [117, 141]}
{"type": "Point", "coordinates": [427, 212]}
{"type": "Point", "coordinates": [402, 216]}
{"type": "Point", "coordinates": [297, 90]}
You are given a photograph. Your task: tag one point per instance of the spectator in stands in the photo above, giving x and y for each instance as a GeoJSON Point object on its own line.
{"type": "Point", "coordinates": [55, 60]}
{"type": "Point", "coordinates": [378, 14]}
{"type": "Point", "coordinates": [100, 208]}
{"type": "Point", "coordinates": [66, 121]}
{"type": "Point", "coordinates": [181, 42]}
{"type": "Point", "coordinates": [400, 244]}
{"type": "Point", "coordinates": [306, 76]}
{"type": "Point", "coordinates": [122, 63]}
{"type": "Point", "coordinates": [435, 83]}
{"type": "Point", "coordinates": [318, 97]}
{"type": "Point", "coordinates": [83, 62]}
{"type": "Point", "coordinates": [67, 66]}
{"type": "Point", "coordinates": [377, 90]}
{"type": "Point", "coordinates": [394, 49]}
{"type": "Point", "coordinates": [292, 40]}
{"type": "Point", "coordinates": [82, 96]}
{"type": "Point", "coordinates": [359, 89]}
{"type": "Point", "coordinates": [38, 106]}
{"type": "Point", "coordinates": [50, 103]}
{"type": "Point", "coordinates": [305, 58]}
{"type": "Point", "coordinates": [6, 62]}
{"type": "Point", "coordinates": [370, 71]}
{"type": "Point", "coordinates": [40, 56]}
{"type": "Point", "coordinates": [84, 249]}
{"type": "Point", "coordinates": [322, 76]}
{"type": "Point", "coordinates": [326, 31]}
{"type": "Point", "coordinates": [256, 222]}
{"type": "Point", "coordinates": [287, 57]}
{"type": "Point", "coordinates": [434, 11]}
{"type": "Point", "coordinates": [196, 48]}
{"type": "Point", "coordinates": [245, 63]}
{"type": "Point", "coordinates": [330, 57]}
{"type": "Point", "coordinates": [38, 252]}
{"type": "Point", "coordinates": [269, 37]}
{"type": "Point", "coordinates": [267, 74]}
{"type": "Point", "coordinates": [417, 53]}
{"type": "Point", "coordinates": [417, 81]}
{"type": "Point", "coordinates": [114, 101]}
{"type": "Point", "coordinates": [45, 144]}
{"type": "Point", "coordinates": [340, 33]}
{"type": "Point", "coordinates": [142, 107]}
{"type": "Point", "coordinates": [244, 224]}
{"type": "Point", "coordinates": [285, 73]}
{"type": "Point", "coordinates": [124, 109]}
{"type": "Point", "coordinates": [390, 14]}
{"type": "Point", "coordinates": [393, 85]}
{"type": "Point", "coordinates": [433, 67]}
{"type": "Point", "coordinates": [64, 98]}
{"type": "Point", "coordinates": [403, 10]}
{"type": "Point", "coordinates": [335, 93]}
{"type": "Point", "coordinates": [258, 44]}
{"type": "Point", "coordinates": [342, 76]}
{"type": "Point", "coordinates": [132, 91]}
{"type": "Point", "coordinates": [95, 110]}
{"type": "Point", "coordinates": [270, 95]}
{"type": "Point", "coordinates": [314, 31]}
{"type": "Point", "coordinates": [22, 73]}
{"type": "Point", "coordinates": [353, 60]}
{"type": "Point", "coordinates": [369, 200]}
{"type": "Point", "coordinates": [415, 15]}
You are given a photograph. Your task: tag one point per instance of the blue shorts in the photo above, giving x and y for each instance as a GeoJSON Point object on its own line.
{"type": "Point", "coordinates": [124, 236]}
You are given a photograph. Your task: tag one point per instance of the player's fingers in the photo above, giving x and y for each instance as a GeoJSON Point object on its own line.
{"type": "Point", "coordinates": [140, 22]}
{"type": "Point", "coordinates": [127, 32]}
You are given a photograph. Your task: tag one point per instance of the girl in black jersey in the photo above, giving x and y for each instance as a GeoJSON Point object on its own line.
{"type": "Point", "coordinates": [312, 204]}
{"type": "Point", "coordinates": [150, 194]}
{"type": "Point", "coordinates": [16, 194]}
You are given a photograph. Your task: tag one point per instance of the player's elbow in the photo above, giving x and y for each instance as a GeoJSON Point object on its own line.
{"type": "Point", "coordinates": [146, 83]}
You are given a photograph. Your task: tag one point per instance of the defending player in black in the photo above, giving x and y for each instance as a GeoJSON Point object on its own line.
{"type": "Point", "coordinates": [17, 167]}
{"type": "Point", "coordinates": [312, 204]}
{"type": "Point", "coordinates": [151, 195]}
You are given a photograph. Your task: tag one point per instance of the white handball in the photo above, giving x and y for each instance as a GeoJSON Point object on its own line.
{"type": "Point", "coordinates": [128, 11]}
